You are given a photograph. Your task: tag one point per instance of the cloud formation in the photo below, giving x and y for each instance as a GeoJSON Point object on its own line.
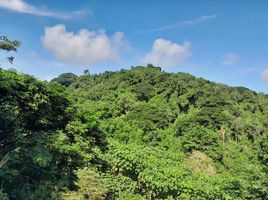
{"type": "Point", "coordinates": [231, 59]}
{"type": "Point", "coordinates": [264, 74]}
{"type": "Point", "coordinates": [84, 47]}
{"type": "Point", "coordinates": [165, 53]}
{"type": "Point", "coordinates": [21, 6]}
{"type": "Point", "coordinates": [178, 24]}
{"type": "Point", "coordinates": [200, 19]}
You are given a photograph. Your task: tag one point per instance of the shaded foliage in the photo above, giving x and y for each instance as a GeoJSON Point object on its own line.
{"type": "Point", "coordinates": [43, 139]}
{"type": "Point", "coordinates": [65, 79]}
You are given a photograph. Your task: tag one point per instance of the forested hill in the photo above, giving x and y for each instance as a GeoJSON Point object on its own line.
{"type": "Point", "coordinates": [160, 105]}
{"type": "Point", "coordinates": [172, 135]}
{"type": "Point", "coordinates": [131, 135]}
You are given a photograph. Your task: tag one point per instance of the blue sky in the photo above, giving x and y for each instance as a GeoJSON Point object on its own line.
{"type": "Point", "coordinates": [223, 41]}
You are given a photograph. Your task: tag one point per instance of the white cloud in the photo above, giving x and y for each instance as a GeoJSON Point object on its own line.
{"type": "Point", "coordinates": [191, 22]}
{"type": "Point", "coordinates": [200, 19]}
{"type": "Point", "coordinates": [165, 53]}
{"type": "Point", "coordinates": [23, 7]}
{"type": "Point", "coordinates": [231, 59]}
{"type": "Point", "coordinates": [84, 47]}
{"type": "Point", "coordinates": [264, 74]}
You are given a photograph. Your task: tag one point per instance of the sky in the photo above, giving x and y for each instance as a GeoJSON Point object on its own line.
{"type": "Point", "coordinates": [222, 41]}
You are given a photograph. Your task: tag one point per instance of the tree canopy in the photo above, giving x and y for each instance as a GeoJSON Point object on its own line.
{"type": "Point", "coordinates": [175, 136]}
{"type": "Point", "coordinates": [133, 134]}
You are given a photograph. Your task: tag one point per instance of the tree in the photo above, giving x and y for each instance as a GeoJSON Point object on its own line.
{"type": "Point", "coordinates": [65, 79]}
{"type": "Point", "coordinates": [170, 136]}
{"type": "Point", "coordinates": [9, 45]}
{"type": "Point", "coordinates": [150, 117]}
{"type": "Point", "coordinates": [43, 140]}
{"type": "Point", "coordinates": [86, 72]}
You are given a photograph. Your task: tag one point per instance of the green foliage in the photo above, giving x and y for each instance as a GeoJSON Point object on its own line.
{"type": "Point", "coordinates": [9, 45]}
{"type": "Point", "coordinates": [200, 138]}
{"type": "Point", "coordinates": [42, 139]}
{"type": "Point", "coordinates": [65, 79]}
{"type": "Point", "coordinates": [90, 186]}
{"type": "Point", "coordinates": [174, 136]}
{"type": "Point", "coordinates": [3, 196]}
{"type": "Point", "coordinates": [148, 117]}
{"type": "Point", "coordinates": [143, 167]}
{"type": "Point", "coordinates": [169, 136]}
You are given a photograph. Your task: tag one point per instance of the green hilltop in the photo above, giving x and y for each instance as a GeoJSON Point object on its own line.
{"type": "Point", "coordinates": [133, 134]}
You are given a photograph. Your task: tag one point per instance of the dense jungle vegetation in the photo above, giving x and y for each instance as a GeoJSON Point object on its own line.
{"type": "Point", "coordinates": [133, 134]}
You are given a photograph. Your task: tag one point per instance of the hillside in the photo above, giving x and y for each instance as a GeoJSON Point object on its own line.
{"type": "Point", "coordinates": [133, 134]}
{"type": "Point", "coordinates": [175, 136]}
